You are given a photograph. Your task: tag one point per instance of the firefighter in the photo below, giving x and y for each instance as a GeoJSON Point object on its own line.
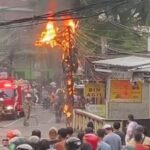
{"type": "Point", "coordinates": [27, 106]}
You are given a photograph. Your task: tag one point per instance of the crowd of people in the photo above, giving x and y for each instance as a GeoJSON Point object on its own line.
{"type": "Point", "coordinates": [109, 137]}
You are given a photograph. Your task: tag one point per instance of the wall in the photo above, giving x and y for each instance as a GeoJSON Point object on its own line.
{"type": "Point", "coordinates": [117, 110]}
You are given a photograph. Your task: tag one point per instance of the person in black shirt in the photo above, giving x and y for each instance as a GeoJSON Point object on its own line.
{"type": "Point", "coordinates": [116, 127]}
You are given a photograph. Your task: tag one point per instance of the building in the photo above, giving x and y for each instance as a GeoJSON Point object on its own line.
{"type": "Point", "coordinates": [127, 86]}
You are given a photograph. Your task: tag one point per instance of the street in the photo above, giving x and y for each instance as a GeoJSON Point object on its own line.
{"type": "Point", "coordinates": [40, 119]}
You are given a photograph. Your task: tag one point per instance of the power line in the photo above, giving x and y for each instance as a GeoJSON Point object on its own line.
{"type": "Point", "coordinates": [61, 14]}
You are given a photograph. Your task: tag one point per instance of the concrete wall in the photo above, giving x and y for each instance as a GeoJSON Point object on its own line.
{"type": "Point", "coordinates": [117, 110]}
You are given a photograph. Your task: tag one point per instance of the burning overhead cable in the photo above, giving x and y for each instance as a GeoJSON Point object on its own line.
{"type": "Point", "coordinates": [53, 35]}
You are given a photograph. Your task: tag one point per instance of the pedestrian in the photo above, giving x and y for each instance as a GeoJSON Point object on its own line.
{"type": "Point", "coordinates": [27, 106]}
{"type": "Point", "coordinates": [72, 143]}
{"type": "Point", "coordinates": [102, 145]}
{"type": "Point", "coordinates": [34, 142]}
{"type": "Point", "coordinates": [111, 138]}
{"type": "Point", "coordinates": [130, 128]}
{"type": "Point", "coordinates": [53, 133]}
{"type": "Point", "coordinates": [62, 136]}
{"type": "Point", "coordinates": [43, 144]}
{"type": "Point", "coordinates": [91, 139]}
{"type": "Point", "coordinates": [69, 132]}
{"type": "Point", "coordinates": [90, 124]}
{"type": "Point", "coordinates": [24, 147]}
{"type": "Point", "coordinates": [116, 129]}
{"type": "Point", "coordinates": [138, 139]}
{"type": "Point", "coordinates": [89, 130]}
{"type": "Point", "coordinates": [16, 141]}
{"type": "Point", "coordinates": [37, 133]}
{"type": "Point", "coordinates": [145, 139]}
{"type": "Point", "coordinates": [84, 146]}
{"type": "Point", "coordinates": [45, 98]}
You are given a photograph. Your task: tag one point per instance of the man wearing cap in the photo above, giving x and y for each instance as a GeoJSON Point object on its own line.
{"type": "Point", "coordinates": [27, 106]}
{"type": "Point", "coordinates": [111, 138]}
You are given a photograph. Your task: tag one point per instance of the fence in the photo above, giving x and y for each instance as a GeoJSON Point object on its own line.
{"type": "Point", "coordinates": [81, 118]}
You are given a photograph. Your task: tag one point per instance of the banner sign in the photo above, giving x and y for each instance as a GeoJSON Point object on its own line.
{"type": "Point", "coordinates": [94, 90]}
{"type": "Point", "coordinates": [125, 91]}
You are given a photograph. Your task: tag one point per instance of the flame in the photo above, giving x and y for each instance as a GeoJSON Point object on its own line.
{"type": "Point", "coordinates": [71, 23]}
{"type": "Point", "coordinates": [48, 36]}
{"type": "Point", "coordinates": [53, 36]}
{"type": "Point", "coordinates": [66, 111]}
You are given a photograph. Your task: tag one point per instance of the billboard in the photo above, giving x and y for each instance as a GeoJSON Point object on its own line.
{"type": "Point", "coordinates": [125, 91]}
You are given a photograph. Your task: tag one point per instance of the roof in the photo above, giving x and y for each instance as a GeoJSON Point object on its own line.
{"type": "Point", "coordinates": [143, 69]}
{"type": "Point", "coordinates": [129, 61]}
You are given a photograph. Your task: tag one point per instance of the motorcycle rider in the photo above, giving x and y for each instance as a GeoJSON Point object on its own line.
{"type": "Point", "coordinates": [27, 106]}
{"type": "Point", "coordinates": [2, 97]}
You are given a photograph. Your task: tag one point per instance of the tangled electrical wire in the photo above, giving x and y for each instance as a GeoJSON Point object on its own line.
{"type": "Point", "coordinates": [74, 13]}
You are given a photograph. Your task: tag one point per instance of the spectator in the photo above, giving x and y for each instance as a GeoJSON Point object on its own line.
{"type": "Point", "coordinates": [62, 133]}
{"type": "Point", "coordinates": [91, 125]}
{"type": "Point", "coordinates": [13, 133]}
{"type": "Point", "coordinates": [130, 128]}
{"type": "Point", "coordinates": [138, 140]}
{"type": "Point", "coordinates": [69, 132]}
{"type": "Point", "coordinates": [102, 145]}
{"type": "Point", "coordinates": [43, 144]}
{"type": "Point", "coordinates": [37, 133]}
{"type": "Point", "coordinates": [91, 139]}
{"type": "Point", "coordinates": [89, 130]}
{"type": "Point", "coordinates": [53, 133]}
{"type": "Point", "coordinates": [34, 142]}
{"type": "Point", "coordinates": [16, 141]}
{"type": "Point", "coordinates": [145, 139]}
{"type": "Point", "coordinates": [111, 138]}
{"type": "Point", "coordinates": [24, 147]}
{"type": "Point", "coordinates": [116, 127]}
{"type": "Point", "coordinates": [84, 146]}
{"type": "Point", "coordinates": [73, 143]}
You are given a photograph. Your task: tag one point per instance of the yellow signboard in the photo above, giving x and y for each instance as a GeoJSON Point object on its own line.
{"type": "Point", "coordinates": [94, 90]}
{"type": "Point", "coordinates": [125, 91]}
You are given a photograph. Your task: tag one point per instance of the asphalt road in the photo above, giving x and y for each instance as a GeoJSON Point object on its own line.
{"type": "Point", "coordinates": [40, 119]}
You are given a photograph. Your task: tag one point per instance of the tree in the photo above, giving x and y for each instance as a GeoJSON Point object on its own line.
{"type": "Point", "coordinates": [117, 25]}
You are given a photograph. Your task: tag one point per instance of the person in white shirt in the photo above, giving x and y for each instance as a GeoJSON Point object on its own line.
{"type": "Point", "coordinates": [130, 128]}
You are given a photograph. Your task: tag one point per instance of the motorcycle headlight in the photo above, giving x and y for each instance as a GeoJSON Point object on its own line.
{"type": "Point", "coordinates": [9, 107]}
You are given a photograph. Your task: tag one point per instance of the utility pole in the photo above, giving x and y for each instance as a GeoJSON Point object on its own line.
{"type": "Point", "coordinates": [148, 40]}
{"type": "Point", "coordinates": [103, 45]}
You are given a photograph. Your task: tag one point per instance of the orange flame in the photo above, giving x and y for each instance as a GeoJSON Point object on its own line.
{"type": "Point", "coordinates": [71, 23]}
{"type": "Point", "coordinates": [66, 111]}
{"type": "Point", "coordinates": [48, 36]}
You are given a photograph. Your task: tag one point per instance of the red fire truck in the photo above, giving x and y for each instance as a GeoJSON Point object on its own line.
{"type": "Point", "coordinates": [10, 98]}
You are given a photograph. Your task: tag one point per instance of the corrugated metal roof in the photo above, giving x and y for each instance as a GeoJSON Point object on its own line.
{"type": "Point", "coordinates": [143, 69]}
{"type": "Point", "coordinates": [130, 61]}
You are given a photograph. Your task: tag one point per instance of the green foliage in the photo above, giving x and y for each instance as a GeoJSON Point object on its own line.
{"type": "Point", "coordinates": [129, 15]}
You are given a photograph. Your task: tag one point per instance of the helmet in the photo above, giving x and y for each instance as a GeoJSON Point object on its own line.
{"type": "Point", "coordinates": [24, 147]}
{"type": "Point", "coordinates": [13, 133]}
{"type": "Point", "coordinates": [73, 143]}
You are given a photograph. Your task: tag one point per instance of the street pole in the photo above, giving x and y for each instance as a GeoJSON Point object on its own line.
{"type": "Point", "coordinates": [148, 40]}
{"type": "Point", "coordinates": [71, 64]}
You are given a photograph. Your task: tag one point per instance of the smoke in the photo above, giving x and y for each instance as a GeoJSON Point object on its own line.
{"type": "Point", "coordinates": [58, 5]}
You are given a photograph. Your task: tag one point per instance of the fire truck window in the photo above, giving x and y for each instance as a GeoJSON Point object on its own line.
{"type": "Point", "coordinates": [9, 93]}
